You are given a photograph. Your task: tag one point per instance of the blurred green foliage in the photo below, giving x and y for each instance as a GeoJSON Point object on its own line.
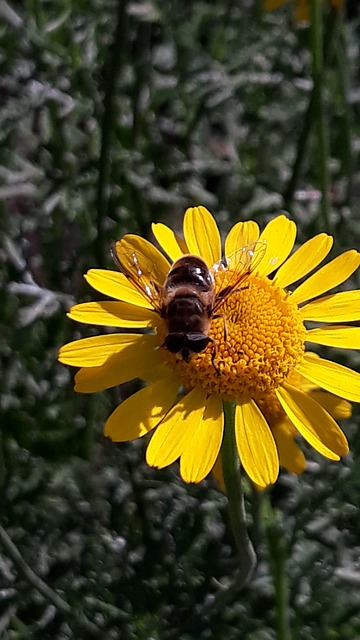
{"type": "Point", "coordinates": [114, 114]}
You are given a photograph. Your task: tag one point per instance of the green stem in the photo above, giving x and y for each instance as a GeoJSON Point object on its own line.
{"type": "Point", "coordinates": [107, 125]}
{"type": "Point", "coordinates": [40, 585]}
{"type": "Point", "coordinates": [232, 479]}
{"type": "Point", "coordinates": [343, 84]}
{"type": "Point", "coordinates": [277, 555]}
{"type": "Point", "coordinates": [37, 11]}
{"type": "Point", "coordinates": [308, 121]}
{"type": "Point", "coordinates": [247, 558]}
{"type": "Point", "coordinates": [49, 594]}
{"type": "Point", "coordinates": [316, 41]}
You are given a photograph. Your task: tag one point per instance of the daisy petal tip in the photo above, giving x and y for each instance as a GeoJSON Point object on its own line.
{"type": "Point", "coordinates": [70, 313]}
{"type": "Point", "coordinates": [192, 474]}
{"type": "Point", "coordinates": [62, 354]}
{"type": "Point", "coordinates": [346, 450]}
{"type": "Point", "coordinates": [108, 433]}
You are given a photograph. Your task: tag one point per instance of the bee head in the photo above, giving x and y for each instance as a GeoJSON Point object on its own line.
{"type": "Point", "coordinates": [186, 343]}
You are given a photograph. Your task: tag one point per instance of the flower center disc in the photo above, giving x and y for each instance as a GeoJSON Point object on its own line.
{"type": "Point", "coordinates": [258, 340]}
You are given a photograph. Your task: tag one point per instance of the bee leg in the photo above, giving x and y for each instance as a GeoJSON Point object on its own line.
{"type": "Point", "coordinates": [156, 286]}
{"type": "Point", "coordinates": [225, 329]}
{"type": "Point", "coordinates": [213, 356]}
{"type": "Point", "coordinates": [221, 315]}
{"type": "Point", "coordinates": [225, 332]}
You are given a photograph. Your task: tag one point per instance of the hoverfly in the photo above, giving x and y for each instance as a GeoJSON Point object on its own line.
{"type": "Point", "coordinates": [189, 295]}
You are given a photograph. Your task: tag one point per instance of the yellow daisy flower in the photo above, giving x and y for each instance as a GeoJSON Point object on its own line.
{"type": "Point", "coordinates": [255, 354]}
{"type": "Point", "coordinates": [302, 7]}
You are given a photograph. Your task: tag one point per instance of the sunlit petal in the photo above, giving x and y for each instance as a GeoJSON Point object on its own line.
{"type": "Point", "coordinates": [240, 235]}
{"type": "Point", "coordinates": [202, 235]}
{"type": "Point", "coordinates": [279, 235]}
{"type": "Point", "coordinates": [313, 422]}
{"type": "Point", "coordinates": [139, 360]}
{"type": "Point", "coordinates": [203, 445]}
{"type": "Point", "coordinates": [333, 377]}
{"type": "Point", "coordinates": [328, 277]}
{"type": "Point", "coordinates": [169, 241]}
{"type": "Point", "coordinates": [304, 260]}
{"type": "Point", "coordinates": [338, 307]}
{"type": "Point", "coordinates": [113, 314]}
{"type": "Point", "coordinates": [142, 411]}
{"type": "Point", "coordinates": [256, 444]}
{"type": "Point", "coordinates": [170, 438]}
{"type": "Point", "coordinates": [342, 337]}
{"type": "Point", "coordinates": [94, 351]}
{"type": "Point", "coordinates": [116, 285]}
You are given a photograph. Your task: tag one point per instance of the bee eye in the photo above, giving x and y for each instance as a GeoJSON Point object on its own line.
{"type": "Point", "coordinates": [197, 342]}
{"type": "Point", "coordinates": [174, 342]}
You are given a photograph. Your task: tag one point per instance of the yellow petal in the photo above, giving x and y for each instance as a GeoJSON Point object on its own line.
{"type": "Point", "coordinates": [169, 241]}
{"type": "Point", "coordinates": [291, 456]}
{"type": "Point", "coordinates": [338, 307]}
{"type": "Point", "coordinates": [240, 235]}
{"type": "Point", "coordinates": [94, 351]}
{"type": "Point", "coordinates": [328, 277]}
{"type": "Point", "coordinates": [142, 411]}
{"type": "Point", "coordinates": [302, 12]}
{"type": "Point", "coordinates": [304, 260]}
{"type": "Point", "coordinates": [202, 235]}
{"type": "Point", "coordinates": [337, 407]}
{"type": "Point", "coordinates": [256, 445]}
{"type": "Point", "coordinates": [313, 422]}
{"type": "Point", "coordinates": [113, 314]}
{"type": "Point", "coordinates": [94, 379]}
{"type": "Point", "coordinates": [217, 472]}
{"type": "Point", "coordinates": [270, 5]}
{"type": "Point", "coordinates": [203, 445]}
{"type": "Point", "coordinates": [333, 377]}
{"type": "Point", "coordinates": [140, 360]}
{"type": "Point", "coordinates": [279, 235]}
{"type": "Point", "coordinates": [342, 337]}
{"type": "Point", "coordinates": [170, 438]}
{"type": "Point", "coordinates": [116, 285]}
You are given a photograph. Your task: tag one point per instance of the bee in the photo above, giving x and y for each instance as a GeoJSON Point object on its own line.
{"type": "Point", "coordinates": [189, 295]}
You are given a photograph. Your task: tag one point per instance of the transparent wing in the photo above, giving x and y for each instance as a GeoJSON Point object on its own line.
{"type": "Point", "coordinates": [142, 267]}
{"type": "Point", "coordinates": [231, 272]}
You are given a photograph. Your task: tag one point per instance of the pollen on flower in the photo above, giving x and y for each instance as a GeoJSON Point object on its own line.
{"type": "Point", "coordinates": [259, 340]}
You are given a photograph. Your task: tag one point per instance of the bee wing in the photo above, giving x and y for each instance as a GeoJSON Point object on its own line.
{"type": "Point", "coordinates": [231, 272]}
{"type": "Point", "coordinates": [143, 265]}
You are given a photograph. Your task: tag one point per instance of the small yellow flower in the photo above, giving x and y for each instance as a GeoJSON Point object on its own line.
{"type": "Point", "coordinates": [302, 7]}
{"type": "Point", "coordinates": [280, 389]}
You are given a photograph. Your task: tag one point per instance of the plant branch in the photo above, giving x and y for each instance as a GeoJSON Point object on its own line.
{"type": "Point", "coordinates": [232, 479]}
{"type": "Point", "coordinates": [107, 125]}
{"type": "Point", "coordinates": [30, 575]}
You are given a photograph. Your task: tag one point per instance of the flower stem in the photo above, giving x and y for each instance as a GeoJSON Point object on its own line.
{"type": "Point", "coordinates": [232, 479]}
{"type": "Point", "coordinates": [310, 114]}
{"type": "Point", "coordinates": [113, 70]}
{"type": "Point", "coordinates": [316, 40]}
{"type": "Point", "coordinates": [343, 85]}
{"type": "Point", "coordinates": [49, 594]}
{"type": "Point", "coordinates": [277, 556]}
